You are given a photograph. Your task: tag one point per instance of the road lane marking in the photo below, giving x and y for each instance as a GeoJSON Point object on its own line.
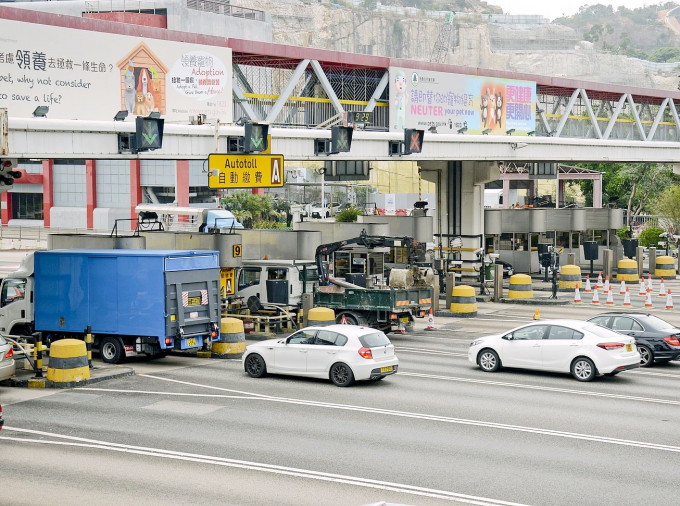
{"type": "Point", "coordinates": [539, 387]}
{"type": "Point", "coordinates": [648, 373]}
{"type": "Point", "coordinates": [404, 414]}
{"type": "Point", "coordinates": [75, 441]}
{"type": "Point", "coordinates": [425, 351]}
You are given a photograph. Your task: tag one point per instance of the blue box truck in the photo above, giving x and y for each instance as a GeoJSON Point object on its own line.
{"type": "Point", "coordinates": [134, 301]}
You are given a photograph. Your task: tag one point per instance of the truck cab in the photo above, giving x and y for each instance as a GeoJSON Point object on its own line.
{"type": "Point", "coordinates": [16, 301]}
{"type": "Point", "coordinates": [276, 281]}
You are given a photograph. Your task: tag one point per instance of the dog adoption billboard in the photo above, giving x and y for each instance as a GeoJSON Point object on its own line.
{"type": "Point", "coordinates": [455, 103]}
{"type": "Point", "coordinates": [91, 75]}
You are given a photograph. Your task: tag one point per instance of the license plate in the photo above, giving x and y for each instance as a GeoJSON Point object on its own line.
{"type": "Point", "coordinates": [404, 320]}
{"type": "Point", "coordinates": [629, 347]}
{"type": "Point", "coordinates": [194, 301]}
{"type": "Point", "coordinates": [386, 369]}
{"type": "Point", "coordinates": [191, 342]}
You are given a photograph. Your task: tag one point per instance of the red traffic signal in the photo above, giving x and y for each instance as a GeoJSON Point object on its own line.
{"type": "Point", "coordinates": [413, 141]}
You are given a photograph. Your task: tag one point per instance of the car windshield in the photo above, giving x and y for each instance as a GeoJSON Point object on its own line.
{"type": "Point", "coordinates": [374, 340]}
{"type": "Point", "coordinates": [656, 323]}
{"type": "Point", "coordinates": [602, 332]}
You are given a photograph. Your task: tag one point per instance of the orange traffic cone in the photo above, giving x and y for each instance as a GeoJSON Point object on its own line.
{"type": "Point", "coordinates": [599, 281]}
{"type": "Point", "coordinates": [344, 320]}
{"type": "Point", "coordinates": [588, 288]}
{"type": "Point", "coordinates": [643, 290]}
{"type": "Point", "coordinates": [649, 282]}
{"type": "Point", "coordinates": [626, 298]}
{"type": "Point", "coordinates": [596, 298]}
{"type": "Point", "coordinates": [648, 300]}
{"type": "Point", "coordinates": [537, 315]}
{"type": "Point", "coordinates": [577, 295]}
{"type": "Point", "coordinates": [610, 298]}
{"type": "Point", "coordinates": [662, 289]}
{"type": "Point", "coordinates": [669, 300]}
{"type": "Point", "coordinates": [622, 288]}
{"type": "Point", "coordinates": [606, 284]}
{"type": "Point", "coordinates": [401, 329]}
{"type": "Point", "coordinates": [430, 321]}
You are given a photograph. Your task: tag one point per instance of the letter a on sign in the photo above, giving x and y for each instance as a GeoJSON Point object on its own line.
{"type": "Point", "coordinates": [276, 172]}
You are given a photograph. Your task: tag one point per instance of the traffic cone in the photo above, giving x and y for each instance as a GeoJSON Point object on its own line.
{"type": "Point", "coordinates": [610, 298]}
{"type": "Point", "coordinates": [606, 284]}
{"type": "Point", "coordinates": [599, 281]}
{"type": "Point", "coordinates": [401, 329]}
{"type": "Point", "coordinates": [622, 288]}
{"type": "Point", "coordinates": [662, 289]}
{"type": "Point", "coordinates": [649, 282]}
{"type": "Point", "coordinates": [648, 300]}
{"type": "Point", "coordinates": [669, 300]}
{"type": "Point", "coordinates": [577, 296]}
{"type": "Point", "coordinates": [344, 320]}
{"type": "Point", "coordinates": [588, 288]}
{"type": "Point", "coordinates": [643, 291]}
{"type": "Point", "coordinates": [596, 298]}
{"type": "Point", "coordinates": [626, 298]}
{"type": "Point", "coordinates": [430, 321]}
{"type": "Point", "coordinates": [537, 315]}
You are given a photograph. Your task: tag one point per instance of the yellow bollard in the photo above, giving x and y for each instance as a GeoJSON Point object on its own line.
{"type": "Point", "coordinates": [463, 301]}
{"type": "Point", "coordinates": [570, 277]}
{"type": "Point", "coordinates": [68, 362]}
{"type": "Point", "coordinates": [665, 267]}
{"type": "Point", "coordinates": [232, 340]}
{"type": "Point", "coordinates": [627, 270]}
{"type": "Point", "coordinates": [320, 317]}
{"type": "Point", "coordinates": [520, 287]}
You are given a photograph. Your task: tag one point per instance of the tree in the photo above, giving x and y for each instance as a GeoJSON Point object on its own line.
{"type": "Point", "coordinates": [249, 208]}
{"type": "Point", "coordinates": [668, 206]}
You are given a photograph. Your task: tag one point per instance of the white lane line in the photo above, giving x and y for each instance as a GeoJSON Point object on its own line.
{"type": "Point", "coordinates": [428, 352]}
{"type": "Point", "coordinates": [255, 466]}
{"type": "Point", "coordinates": [648, 373]}
{"type": "Point", "coordinates": [542, 388]}
{"type": "Point", "coordinates": [406, 414]}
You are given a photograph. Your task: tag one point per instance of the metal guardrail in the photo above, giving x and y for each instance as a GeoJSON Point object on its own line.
{"type": "Point", "coordinates": [221, 7]}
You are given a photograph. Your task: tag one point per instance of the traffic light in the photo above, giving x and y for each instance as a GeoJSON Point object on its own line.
{"type": "Point", "coordinates": [413, 141]}
{"type": "Point", "coordinates": [148, 133]}
{"type": "Point", "coordinates": [255, 139]}
{"type": "Point", "coordinates": [7, 173]}
{"type": "Point", "coordinates": [341, 139]}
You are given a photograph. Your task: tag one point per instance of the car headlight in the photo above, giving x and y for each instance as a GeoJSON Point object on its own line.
{"type": "Point", "coordinates": [476, 342]}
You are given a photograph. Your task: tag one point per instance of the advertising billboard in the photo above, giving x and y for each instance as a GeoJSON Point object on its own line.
{"type": "Point", "coordinates": [456, 103]}
{"type": "Point", "coordinates": [90, 75]}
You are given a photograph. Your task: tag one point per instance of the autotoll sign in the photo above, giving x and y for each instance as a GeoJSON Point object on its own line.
{"type": "Point", "coordinates": [245, 171]}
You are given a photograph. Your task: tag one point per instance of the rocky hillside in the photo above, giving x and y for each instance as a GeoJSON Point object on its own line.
{"type": "Point", "coordinates": [480, 37]}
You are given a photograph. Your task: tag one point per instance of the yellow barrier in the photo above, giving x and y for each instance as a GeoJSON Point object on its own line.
{"type": "Point", "coordinates": [665, 267]}
{"type": "Point", "coordinates": [232, 341]}
{"type": "Point", "coordinates": [463, 301]}
{"type": "Point", "coordinates": [68, 362]}
{"type": "Point", "coordinates": [520, 287]}
{"type": "Point", "coordinates": [570, 277]}
{"type": "Point", "coordinates": [320, 317]}
{"type": "Point", "coordinates": [627, 270]}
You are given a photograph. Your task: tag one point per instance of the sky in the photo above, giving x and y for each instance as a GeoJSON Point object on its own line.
{"type": "Point", "coordinates": [556, 8]}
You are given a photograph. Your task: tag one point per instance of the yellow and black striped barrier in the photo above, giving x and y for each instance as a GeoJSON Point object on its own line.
{"type": "Point", "coordinates": [88, 345]}
{"type": "Point", "coordinates": [627, 270]}
{"type": "Point", "coordinates": [320, 317]}
{"type": "Point", "coordinates": [232, 341]}
{"type": "Point", "coordinates": [463, 301]}
{"type": "Point", "coordinates": [570, 277]}
{"type": "Point", "coordinates": [68, 362]}
{"type": "Point", "coordinates": [520, 287]}
{"type": "Point", "coordinates": [665, 267]}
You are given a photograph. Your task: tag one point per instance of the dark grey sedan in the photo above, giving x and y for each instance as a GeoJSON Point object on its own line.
{"type": "Point", "coordinates": [657, 340]}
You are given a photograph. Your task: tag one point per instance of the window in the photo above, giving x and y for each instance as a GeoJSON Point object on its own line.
{"type": "Point", "coordinates": [275, 273]}
{"type": "Point", "coordinates": [623, 323]}
{"type": "Point", "coordinates": [529, 333]}
{"type": "Point", "coordinates": [557, 332]}
{"type": "Point", "coordinates": [248, 276]}
{"type": "Point", "coordinates": [600, 320]}
{"type": "Point", "coordinates": [302, 337]}
{"type": "Point", "coordinates": [374, 340]}
{"type": "Point", "coordinates": [27, 206]}
{"type": "Point", "coordinates": [328, 338]}
{"type": "Point", "coordinates": [602, 332]}
{"type": "Point", "coordinates": [13, 290]}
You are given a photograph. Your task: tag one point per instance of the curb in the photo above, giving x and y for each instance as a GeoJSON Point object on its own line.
{"type": "Point", "coordinates": [45, 383]}
{"type": "Point", "coordinates": [209, 354]}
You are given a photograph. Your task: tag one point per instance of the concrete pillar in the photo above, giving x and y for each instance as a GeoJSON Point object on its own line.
{"type": "Point", "coordinates": [435, 293]}
{"type": "Point", "coordinates": [651, 261]}
{"type": "Point", "coordinates": [571, 258]}
{"type": "Point", "coordinates": [498, 283]}
{"type": "Point", "coordinates": [135, 187]}
{"type": "Point", "coordinates": [91, 191]}
{"type": "Point", "coordinates": [640, 256]}
{"type": "Point", "coordinates": [48, 190]}
{"type": "Point", "coordinates": [450, 283]}
{"type": "Point", "coordinates": [307, 304]}
{"type": "Point", "coordinates": [607, 263]}
{"type": "Point", "coordinates": [506, 194]}
{"type": "Point", "coordinates": [6, 206]}
{"type": "Point", "coordinates": [597, 192]}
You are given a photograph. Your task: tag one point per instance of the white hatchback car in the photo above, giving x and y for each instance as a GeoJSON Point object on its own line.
{"type": "Point", "coordinates": [341, 353]}
{"type": "Point", "coordinates": [581, 348]}
{"type": "Point", "coordinates": [7, 365]}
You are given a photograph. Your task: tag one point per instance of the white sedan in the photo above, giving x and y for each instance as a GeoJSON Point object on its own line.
{"type": "Point", "coordinates": [341, 353]}
{"type": "Point", "coordinates": [581, 348]}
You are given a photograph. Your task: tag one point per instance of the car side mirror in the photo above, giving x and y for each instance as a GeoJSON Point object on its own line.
{"type": "Point", "coordinates": [507, 337]}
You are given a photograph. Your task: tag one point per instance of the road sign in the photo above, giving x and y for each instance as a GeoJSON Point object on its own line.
{"type": "Point", "coordinates": [227, 281]}
{"type": "Point", "coordinates": [237, 250]}
{"type": "Point", "coordinates": [245, 171]}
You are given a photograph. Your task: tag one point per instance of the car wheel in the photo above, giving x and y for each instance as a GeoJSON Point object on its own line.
{"type": "Point", "coordinates": [112, 350]}
{"type": "Point", "coordinates": [646, 355]}
{"type": "Point", "coordinates": [341, 375]}
{"type": "Point", "coordinates": [583, 369]}
{"type": "Point", "coordinates": [255, 366]}
{"type": "Point", "coordinates": [488, 360]}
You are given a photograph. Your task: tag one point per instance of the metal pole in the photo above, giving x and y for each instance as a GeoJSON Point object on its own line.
{"type": "Point", "coordinates": [88, 345]}
{"type": "Point", "coordinates": [37, 354]}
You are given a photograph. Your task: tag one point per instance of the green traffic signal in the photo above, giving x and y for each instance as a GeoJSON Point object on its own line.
{"type": "Point", "coordinates": [255, 138]}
